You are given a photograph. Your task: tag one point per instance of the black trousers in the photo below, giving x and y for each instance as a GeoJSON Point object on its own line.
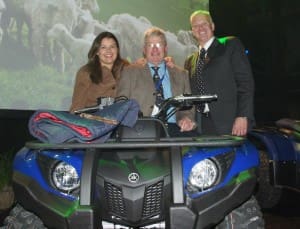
{"type": "Point", "coordinates": [205, 124]}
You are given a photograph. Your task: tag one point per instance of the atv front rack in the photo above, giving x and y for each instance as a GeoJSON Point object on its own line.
{"type": "Point", "coordinates": [207, 141]}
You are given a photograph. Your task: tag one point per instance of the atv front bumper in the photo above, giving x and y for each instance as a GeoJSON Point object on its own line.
{"type": "Point", "coordinates": [210, 209]}
{"type": "Point", "coordinates": [57, 212]}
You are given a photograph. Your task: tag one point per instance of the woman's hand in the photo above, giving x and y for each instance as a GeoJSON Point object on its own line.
{"type": "Point", "coordinates": [169, 61]}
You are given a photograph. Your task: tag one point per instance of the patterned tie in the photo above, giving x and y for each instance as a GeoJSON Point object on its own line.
{"type": "Point", "coordinates": [199, 77]}
{"type": "Point", "coordinates": [158, 87]}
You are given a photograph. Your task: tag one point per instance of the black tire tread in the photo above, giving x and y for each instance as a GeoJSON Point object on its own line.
{"type": "Point", "coordinates": [246, 216]}
{"type": "Point", "coordinates": [267, 195]}
{"type": "Point", "coordinates": [19, 218]}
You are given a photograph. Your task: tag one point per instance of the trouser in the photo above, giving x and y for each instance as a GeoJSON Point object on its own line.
{"type": "Point", "coordinates": [205, 124]}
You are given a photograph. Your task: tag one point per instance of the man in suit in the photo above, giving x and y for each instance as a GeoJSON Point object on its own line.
{"type": "Point", "coordinates": [136, 82]}
{"type": "Point", "coordinates": [227, 73]}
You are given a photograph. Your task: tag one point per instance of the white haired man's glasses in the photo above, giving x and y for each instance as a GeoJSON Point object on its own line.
{"type": "Point", "coordinates": [156, 45]}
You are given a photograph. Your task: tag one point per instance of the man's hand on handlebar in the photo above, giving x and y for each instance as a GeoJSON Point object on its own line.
{"type": "Point", "coordinates": [186, 124]}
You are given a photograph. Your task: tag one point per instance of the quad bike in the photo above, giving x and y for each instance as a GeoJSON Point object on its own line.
{"type": "Point", "coordinates": [279, 147]}
{"type": "Point", "coordinates": [139, 178]}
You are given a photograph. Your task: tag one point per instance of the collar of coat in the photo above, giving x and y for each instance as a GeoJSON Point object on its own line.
{"type": "Point", "coordinates": [216, 47]}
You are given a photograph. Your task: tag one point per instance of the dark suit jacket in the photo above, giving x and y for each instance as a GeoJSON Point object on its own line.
{"type": "Point", "coordinates": [136, 82]}
{"type": "Point", "coordinates": [228, 74]}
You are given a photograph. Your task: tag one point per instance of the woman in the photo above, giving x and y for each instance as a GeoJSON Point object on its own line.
{"type": "Point", "coordinates": [99, 76]}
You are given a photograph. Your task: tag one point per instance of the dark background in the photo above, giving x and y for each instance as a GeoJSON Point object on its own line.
{"type": "Point", "coordinates": [269, 29]}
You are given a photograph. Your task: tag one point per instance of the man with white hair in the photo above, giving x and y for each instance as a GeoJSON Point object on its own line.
{"type": "Point", "coordinates": [221, 67]}
{"type": "Point", "coordinates": [153, 81]}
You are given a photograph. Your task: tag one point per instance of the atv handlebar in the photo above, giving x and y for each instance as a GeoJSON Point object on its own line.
{"type": "Point", "coordinates": [168, 108]}
{"type": "Point", "coordinates": [173, 104]}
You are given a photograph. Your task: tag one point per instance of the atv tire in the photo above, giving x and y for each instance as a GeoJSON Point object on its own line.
{"type": "Point", "coordinates": [246, 216]}
{"type": "Point", "coordinates": [19, 218]}
{"type": "Point", "coordinates": [267, 195]}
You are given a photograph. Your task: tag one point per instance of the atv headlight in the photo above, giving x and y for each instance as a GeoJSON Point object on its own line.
{"type": "Point", "coordinates": [204, 174]}
{"type": "Point", "coordinates": [65, 177]}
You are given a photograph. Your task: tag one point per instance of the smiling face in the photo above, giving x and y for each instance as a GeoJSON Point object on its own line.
{"type": "Point", "coordinates": [202, 28]}
{"type": "Point", "coordinates": [155, 49]}
{"type": "Point", "coordinates": [107, 52]}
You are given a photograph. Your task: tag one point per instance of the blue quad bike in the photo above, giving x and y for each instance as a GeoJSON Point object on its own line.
{"type": "Point", "coordinates": [139, 178]}
{"type": "Point", "coordinates": [279, 148]}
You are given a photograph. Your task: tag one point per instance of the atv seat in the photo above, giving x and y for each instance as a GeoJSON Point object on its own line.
{"type": "Point", "coordinates": [145, 129]}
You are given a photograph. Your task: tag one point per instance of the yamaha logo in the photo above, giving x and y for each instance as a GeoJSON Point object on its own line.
{"type": "Point", "coordinates": [133, 177]}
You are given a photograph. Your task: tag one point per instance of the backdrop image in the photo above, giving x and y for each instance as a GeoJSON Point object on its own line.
{"type": "Point", "coordinates": [44, 42]}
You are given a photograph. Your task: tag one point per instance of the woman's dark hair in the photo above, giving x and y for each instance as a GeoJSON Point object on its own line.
{"type": "Point", "coordinates": [93, 59]}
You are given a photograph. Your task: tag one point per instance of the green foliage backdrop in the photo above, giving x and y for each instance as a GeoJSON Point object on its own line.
{"type": "Point", "coordinates": [26, 84]}
{"type": "Point", "coordinates": [170, 15]}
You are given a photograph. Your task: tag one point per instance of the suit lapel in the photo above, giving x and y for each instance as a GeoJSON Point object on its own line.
{"type": "Point", "coordinates": [214, 50]}
{"type": "Point", "coordinates": [147, 74]}
{"type": "Point", "coordinates": [175, 81]}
